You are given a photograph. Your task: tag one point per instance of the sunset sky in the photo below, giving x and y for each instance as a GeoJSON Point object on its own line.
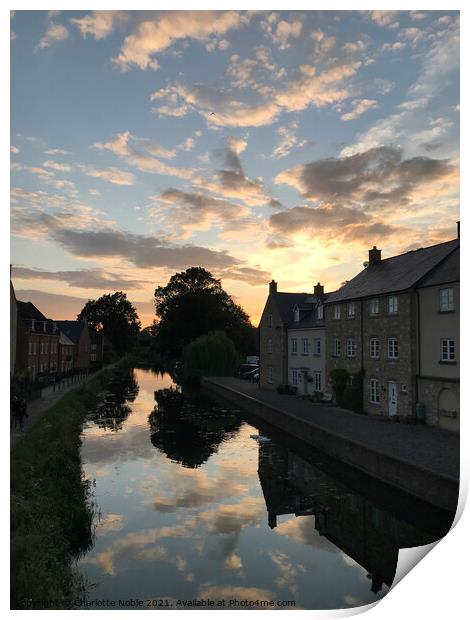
{"type": "Point", "coordinates": [256, 144]}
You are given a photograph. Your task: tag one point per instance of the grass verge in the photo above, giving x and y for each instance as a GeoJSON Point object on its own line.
{"type": "Point", "coordinates": [51, 512]}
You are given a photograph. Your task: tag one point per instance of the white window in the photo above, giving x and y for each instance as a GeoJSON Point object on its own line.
{"type": "Point", "coordinates": [373, 306]}
{"type": "Point", "coordinates": [294, 377]}
{"type": "Point", "coordinates": [294, 346]}
{"type": "Point", "coordinates": [351, 347]}
{"type": "Point", "coordinates": [336, 311]}
{"type": "Point", "coordinates": [317, 380]}
{"type": "Point", "coordinates": [374, 392]}
{"type": "Point", "coordinates": [317, 346]}
{"type": "Point", "coordinates": [447, 350]}
{"type": "Point", "coordinates": [305, 346]}
{"type": "Point", "coordinates": [270, 374]}
{"type": "Point", "coordinates": [393, 348]}
{"type": "Point", "coordinates": [296, 314]}
{"type": "Point", "coordinates": [337, 347]}
{"type": "Point", "coordinates": [392, 304]}
{"type": "Point", "coordinates": [320, 312]}
{"type": "Point", "coordinates": [446, 299]}
{"type": "Point", "coordinates": [351, 310]}
{"type": "Point", "coordinates": [374, 348]}
{"type": "Point", "coordinates": [270, 345]}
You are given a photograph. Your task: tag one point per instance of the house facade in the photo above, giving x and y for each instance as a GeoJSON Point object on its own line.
{"type": "Point", "coordinates": [372, 328]}
{"type": "Point", "coordinates": [66, 353]}
{"type": "Point", "coordinates": [306, 345]}
{"type": "Point", "coordinates": [96, 348]}
{"type": "Point", "coordinates": [37, 346]}
{"type": "Point", "coordinates": [78, 333]}
{"type": "Point", "coordinates": [439, 344]}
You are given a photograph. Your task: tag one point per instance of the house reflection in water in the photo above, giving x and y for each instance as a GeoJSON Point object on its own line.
{"type": "Point", "coordinates": [368, 533]}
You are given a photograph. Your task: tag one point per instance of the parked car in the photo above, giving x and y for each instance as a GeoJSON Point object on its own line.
{"type": "Point", "coordinates": [246, 368]}
{"type": "Point", "coordinates": [250, 374]}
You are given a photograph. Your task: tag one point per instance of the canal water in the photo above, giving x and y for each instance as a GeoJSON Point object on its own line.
{"type": "Point", "coordinates": [190, 508]}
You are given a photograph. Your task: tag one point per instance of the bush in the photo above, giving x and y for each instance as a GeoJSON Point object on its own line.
{"type": "Point", "coordinates": [211, 355]}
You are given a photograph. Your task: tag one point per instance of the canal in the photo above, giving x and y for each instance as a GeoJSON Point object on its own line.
{"type": "Point", "coordinates": [190, 506]}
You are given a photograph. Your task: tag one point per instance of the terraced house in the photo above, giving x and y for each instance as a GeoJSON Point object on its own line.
{"type": "Point", "coordinates": [379, 324]}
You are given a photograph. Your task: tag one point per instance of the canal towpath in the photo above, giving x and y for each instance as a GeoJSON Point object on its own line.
{"type": "Point", "coordinates": [423, 455]}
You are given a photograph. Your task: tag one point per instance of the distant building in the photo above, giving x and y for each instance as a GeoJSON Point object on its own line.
{"type": "Point", "coordinates": [37, 345]}
{"type": "Point", "coordinates": [372, 327]}
{"type": "Point", "coordinates": [438, 348]}
{"type": "Point", "coordinates": [78, 333]}
{"type": "Point", "coordinates": [96, 348]}
{"type": "Point", "coordinates": [66, 353]}
{"type": "Point", "coordinates": [13, 328]}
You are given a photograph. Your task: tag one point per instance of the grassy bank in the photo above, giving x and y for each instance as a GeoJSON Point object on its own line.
{"type": "Point", "coordinates": [51, 516]}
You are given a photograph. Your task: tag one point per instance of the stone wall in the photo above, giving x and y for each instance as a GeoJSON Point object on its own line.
{"type": "Point", "coordinates": [343, 329]}
{"type": "Point", "coordinates": [441, 400]}
{"type": "Point", "coordinates": [310, 361]}
{"type": "Point", "coordinates": [274, 330]}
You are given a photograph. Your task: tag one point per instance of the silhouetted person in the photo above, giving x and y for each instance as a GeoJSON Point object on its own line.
{"type": "Point", "coordinates": [19, 410]}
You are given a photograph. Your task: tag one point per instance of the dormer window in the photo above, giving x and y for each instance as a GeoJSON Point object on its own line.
{"type": "Point", "coordinates": [44, 326]}
{"type": "Point", "coordinates": [320, 311]}
{"type": "Point", "coordinates": [296, 314]}
{"type": "Point", "coordinates": [32, 324]}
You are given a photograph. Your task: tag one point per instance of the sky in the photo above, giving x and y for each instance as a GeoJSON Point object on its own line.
{"type": "Point", "coordinates": [257, 144]}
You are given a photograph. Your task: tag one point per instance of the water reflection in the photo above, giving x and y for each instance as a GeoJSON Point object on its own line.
{"type": "Point", "coordinates": [189, 431]}
{"type": "Point", "coordinates": [112, 408]}
{"type": "Point", "coordinates": [212, 514]}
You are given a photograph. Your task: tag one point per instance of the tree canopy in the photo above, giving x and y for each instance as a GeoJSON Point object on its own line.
{"type": "Point", "coordinates": [114, 316]}
{"type": "Point", "coordinates": [194, 303]}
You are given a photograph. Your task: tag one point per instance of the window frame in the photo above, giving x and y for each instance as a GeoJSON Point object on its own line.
{"type": "Point", "coordinates": [394, 349]}
{"type": "Point", "coordinates": [394, 300]}
{"type": "Point", "coordinates": [336, 347]}
{"type": "Point", "coordinates": [374, 340]}
{"type": "Point", "coordinates": [337, 312]}
{"type": "Point", "coordinates": [374, 391]}
{"type": "Point", "coordinates": [449, 359]}
{"type": "Point", "coordinates": [294, 348]}
{"type": "Point", "coordinates": [305, 346]}
{"type": "Point", "coordinates": [374, 303]}
{"type": "Point", "coordinates": [317, 380]}
{"type": "Point", "coordinates": [450, 303]}
{"type": "Point", "coordinates": [351, 347]}
{"type": "Point", "coordinates": [351, 305]}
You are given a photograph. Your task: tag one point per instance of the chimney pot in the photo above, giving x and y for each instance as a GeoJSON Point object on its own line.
{"type": "Point", "coordinates": [375, 255]}
{"type": "Point", "coordinates": [318, 289]}
{"type": "Point", "coordinates": [272, 287]}
{"type": "Point", "coordinates": [458, 229]}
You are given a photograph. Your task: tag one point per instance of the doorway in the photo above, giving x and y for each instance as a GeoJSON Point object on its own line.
{"type": "Point", "coordinates": [392, 399]}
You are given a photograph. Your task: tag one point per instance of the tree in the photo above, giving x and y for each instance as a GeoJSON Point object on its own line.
{"type": "Point", "coordinates": [194, 303]}
{"type": "Point", "coordinates": [212, 355]}
{"type": "Point", "coordinates": [114, 316]}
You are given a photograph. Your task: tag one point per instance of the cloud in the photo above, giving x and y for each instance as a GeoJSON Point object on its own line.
{"type": "Point", "coordinates": [284, 31]}
{"type": "Point", "coordinates": [100, 24]}
{"type": "Point", "coordinates": [156, 35]}
{"type": "Point", "coordinates": [110, 174]}
{"type": "Point", "coordinates": [288, 142]}
{"type": "Point", "coordinates": [56, 166]}
{"type": "Point", "coordinates": [57, 152]}
{"type": "Point", "coordinates": [14, 150]}
{"type": "Point", "coordinates": [54, 33]}
{"type": "Point", "coordinates": [81, 278]}
{"type": "Point", "coordinates": [383, 18]}
{"type": "Point", "coordinates": [360, 106]}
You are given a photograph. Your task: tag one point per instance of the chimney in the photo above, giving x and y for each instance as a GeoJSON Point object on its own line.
{"type": "Point", "coordinates": [272, 287]}
{"type": "Point", "coordinates": [318, 289]}
{"type": "Point", "coordinates": [374, 255]}
{"type": "Point", "coordinates": [458, 229]}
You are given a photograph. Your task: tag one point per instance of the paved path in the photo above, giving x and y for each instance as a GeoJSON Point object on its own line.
{"type": "Point", "coordinates": [423, 446]}
{"type": "Point", "coordinates": [37, 408]}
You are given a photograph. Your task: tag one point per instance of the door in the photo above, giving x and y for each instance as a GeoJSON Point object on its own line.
{"type": "Point", "coordinates": [392, 399]}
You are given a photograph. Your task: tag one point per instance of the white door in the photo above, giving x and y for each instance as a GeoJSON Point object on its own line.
{"type": "Point", "coordinates": [392, 399]}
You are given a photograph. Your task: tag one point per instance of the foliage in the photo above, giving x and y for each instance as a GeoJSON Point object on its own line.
{"type": "Point", "coordinates": [51, 516]}
{"type": "Point", "coordinates": [194, 303]}
{"type": "Point", "coordinates": [339, 379]}
{"type": "Point", "coordinates": [347, 394]}
{"type": "Point", "coordinates": [114, 316]}
{"type": "Point", "coordinates": [212, 354]}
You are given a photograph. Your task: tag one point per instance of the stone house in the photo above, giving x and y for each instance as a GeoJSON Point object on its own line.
{"type": "Point", "coordinates": [275, 320]}
{"type": "Point", "coordinates": [78, 333]}
{"type": "Point", "coordinates": [306, 344]}
{"type": "Point", "coordinates": [37, 346]}
{"type": "Point", "coordinates": [439, 347]}
{"type": "Point", "coordinates": [372, 327]}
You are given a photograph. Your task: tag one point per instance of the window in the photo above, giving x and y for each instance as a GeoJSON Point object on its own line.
{"type": "Point", "coordinates": [42, 348]}
{"type": "Point", "coordinates": [304, 346]}
{"type": "Point", "coordinates": [46, 347]}
{"type": "Point", "coordinates": [270, 345]}
{"type": "Point", "coordinates": [93, 347]}
{"type": "Point", "coordinates": [93, 357]}
{"type": "Point", "coordinates": [296, 314]}
{"type": "Point", "coordinates": [447, 350]}
{"type": "Point", "coordinates": [320, 312]}
{"type": "Point", "coordinates": [392, 304]}
{"type": "Point", "coordinates": [337, 347]}
{"type": "Point", "coordinates": [270, 374]}
{"type": "Point", "coordinates": [317, 380]}
{"type": "Point", "coordinates": [351, 310]}
{"type": "Point", "coordinates": [351, 347]}
{"type": "Point", "coordinates": [33, 324]}
{"type": "Point", "coordinates": [317, 346]}
{"type": "Point", "coordinates": [294, 377]}
{"type": "Point", "coordinates": [336, 312]}
{"type": "Point", "coordinates": [35, 348]}
{"type": "Point", "coordinates": [294, 346]}
{"type": "Point", "coordinates": [393, 348]}
{"type": "Point", "coordinates": [44, 326]}
{"type": "Point", "coordinates": [270, 320]}
{"type": "Point", "coordinates": [374, 348]}
{"type": "Point", "coordinates": [374, 392]}
{"type": "Point", "coordinates": [446, 300]}
{"type": "Point", "coordinates": [373, 307]}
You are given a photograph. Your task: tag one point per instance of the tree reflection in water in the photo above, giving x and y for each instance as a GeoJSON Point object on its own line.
{"type": "Point", "coordinates": [112, 409]}
{"type": "Point", "coordinates": [189, 430]}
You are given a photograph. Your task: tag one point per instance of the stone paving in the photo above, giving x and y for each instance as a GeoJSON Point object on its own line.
{"type": "Point", "coordinates": [420, 445]}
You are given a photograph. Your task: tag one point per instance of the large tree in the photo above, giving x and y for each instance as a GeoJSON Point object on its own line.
{"type": "Point", "coordinates": [114, 316]}
{"type": "Point", "coordinates": [194, 303]}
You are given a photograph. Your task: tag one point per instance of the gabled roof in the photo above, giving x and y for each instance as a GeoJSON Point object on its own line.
{"type": "Point", "coordinates": [72, 329]}
{"type": "Point", "coordinates": [310, 318]}
{"type": "Point", "coordinates": [285, 302]}
{"type": "Point", "coordinates": [27, 310]}
{"type": "Point", "coordinates": [446, 272]}
{"type": "Point", "coordinates": [64, 340]}
{"type": "Point", "coordinates": [394, 274]}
